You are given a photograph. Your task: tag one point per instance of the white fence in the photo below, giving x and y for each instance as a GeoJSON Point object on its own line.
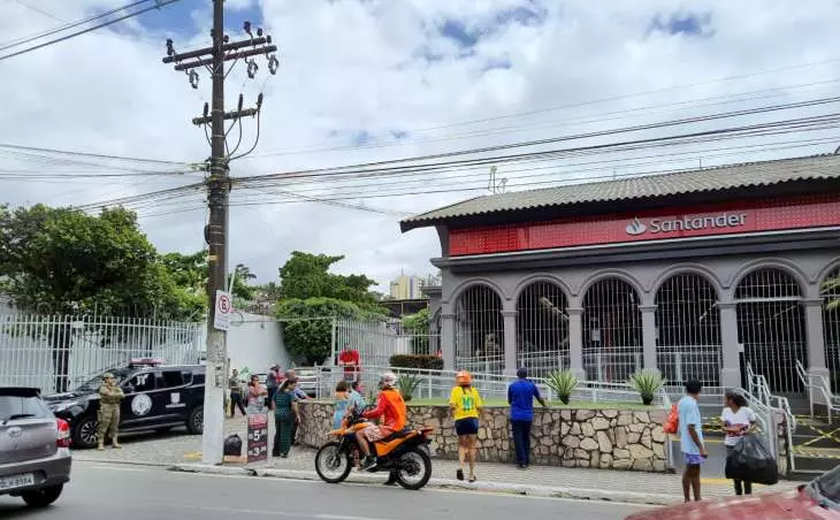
{"type": "Point", "coordinates": [55, 353]}
{"type": "Point", "coordinates": [378, 341]}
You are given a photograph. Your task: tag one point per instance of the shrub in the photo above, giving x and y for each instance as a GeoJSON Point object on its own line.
{"type": "Point", "coordinates": [563, 383]}
{"type": "Point", "coordinates": [418, 362]}
{"type": "Point", "coordinates": [407, 384]}
{"type": "Point", "coordinates": [647, 383]}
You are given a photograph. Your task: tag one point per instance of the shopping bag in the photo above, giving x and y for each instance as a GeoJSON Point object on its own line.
{"type": "Point", "coordinates": [233, 446]}
{"type": "Point", "coordinates": [751, 460]}
{"type": "Point", "coordinates": [672, 423]}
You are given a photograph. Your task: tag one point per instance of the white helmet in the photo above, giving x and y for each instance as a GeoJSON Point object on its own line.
{"type": "Point", "coordinates": [388, 380]}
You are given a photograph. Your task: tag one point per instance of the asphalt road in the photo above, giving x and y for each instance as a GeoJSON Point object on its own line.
{"type": "Point", "coordinates": [104, 492]}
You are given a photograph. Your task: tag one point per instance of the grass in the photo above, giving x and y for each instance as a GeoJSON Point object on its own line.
{"type": "Point", "coordinates": [586, 405]}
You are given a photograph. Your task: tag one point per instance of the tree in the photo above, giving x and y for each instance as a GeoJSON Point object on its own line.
{"type": "Point", "coordinates": [306, 275]}
{"type": "Point", "coordinates": [62, 261]}
{"type": "Point", "coordinates": [417, 325]}
{"type": "Point", "coordinates": [242, 290]}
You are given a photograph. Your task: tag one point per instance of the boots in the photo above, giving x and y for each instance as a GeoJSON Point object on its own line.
{"type": "Point", "coordinates": [117, 445]}
{"type": "Point", "coordinates": [101, 446]}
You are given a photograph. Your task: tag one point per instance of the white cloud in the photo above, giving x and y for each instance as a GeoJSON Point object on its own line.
{"type": "Point", "coordinates": [377, 66]}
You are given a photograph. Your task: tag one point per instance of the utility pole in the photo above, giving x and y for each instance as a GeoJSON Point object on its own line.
{"type": "Point", "coordinates": [219, 185]}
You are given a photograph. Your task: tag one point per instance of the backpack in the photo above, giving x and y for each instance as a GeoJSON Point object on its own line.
{"type": "Point", "coordinates": [672, 423]}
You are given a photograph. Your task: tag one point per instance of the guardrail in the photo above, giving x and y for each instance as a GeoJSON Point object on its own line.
{"type": "Point", "coordinates": [818, 387]}
{"type": "Point", "coordinates": [776, 410]}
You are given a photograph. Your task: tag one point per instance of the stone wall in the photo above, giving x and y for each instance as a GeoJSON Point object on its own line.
{"type": "Point", "coordinates": [607, 439]}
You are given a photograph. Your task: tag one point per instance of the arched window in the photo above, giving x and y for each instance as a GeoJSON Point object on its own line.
{"type": "Point", "coordinates": [479, 331]}
{"type": "Point", "coordinates": [612, 331]}
{"type": "Point", "coordinates": [542, 329]}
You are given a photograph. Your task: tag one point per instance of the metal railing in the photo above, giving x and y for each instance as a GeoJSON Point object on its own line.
{"type": "Point", "coordinates": [776, 411]}
{"type": "Point", "coordinates": [819, 391]}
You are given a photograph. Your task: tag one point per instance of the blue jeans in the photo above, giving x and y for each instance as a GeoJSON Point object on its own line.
{"type": "Point", "coordinates": [522, 441]}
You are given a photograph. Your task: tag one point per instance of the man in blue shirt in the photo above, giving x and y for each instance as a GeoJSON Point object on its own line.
{"type": "Point", "coordinates": [691, 439]}
{"type": "Point", "coordinates": [521, 395]}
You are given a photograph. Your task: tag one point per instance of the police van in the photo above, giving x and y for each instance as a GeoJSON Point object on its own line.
{"type": "Point", "coordinates": [158, 397]}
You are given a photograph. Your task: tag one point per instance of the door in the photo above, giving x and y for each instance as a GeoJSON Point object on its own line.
{"type": "Point", "coordinates": [137, 409]}
{"type": "Point", "coordinates": [170, 398]}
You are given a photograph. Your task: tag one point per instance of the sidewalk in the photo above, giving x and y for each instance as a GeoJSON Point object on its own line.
{"type": "Point", "coordinates": [182, 453]}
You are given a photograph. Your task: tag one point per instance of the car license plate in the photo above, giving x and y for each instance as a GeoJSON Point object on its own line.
{"type": "Point", "coordinates": [17, 481]}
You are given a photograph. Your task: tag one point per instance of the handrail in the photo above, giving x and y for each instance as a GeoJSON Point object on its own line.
{"type": "Point", "coordinates": [820, 384]}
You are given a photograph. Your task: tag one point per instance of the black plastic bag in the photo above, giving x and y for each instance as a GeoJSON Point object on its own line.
{"type": "Point", "coordinates": [233, 446]}
{"type": "Point", "coordinates": [751, 461]}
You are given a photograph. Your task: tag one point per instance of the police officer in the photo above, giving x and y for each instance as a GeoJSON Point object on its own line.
{"type": "Point", "coordinates": [110, 396]}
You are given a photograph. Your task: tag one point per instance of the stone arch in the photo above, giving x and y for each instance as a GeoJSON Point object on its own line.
{"type": "Point", "coordinates": [802, 279]}
{"type": "Point", "coordinates": [540, 277]}
{"type": "Point", "coordinates": [479, 328]}
{"type": "Point", "coordinates": [466, 284]}
{"type": "Point", "coordinates": [620, 274]}
{"type": "Point", "coordinates": [700, 270]}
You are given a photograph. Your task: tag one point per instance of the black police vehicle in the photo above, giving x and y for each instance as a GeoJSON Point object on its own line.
{"type": "Point", "coordinates": [157, 397]}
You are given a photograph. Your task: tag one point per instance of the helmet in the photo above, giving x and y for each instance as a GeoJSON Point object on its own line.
{"type": "Point", "coordinates": [463, 378]}
{"type": "Point", "coordinates": [388, 380]}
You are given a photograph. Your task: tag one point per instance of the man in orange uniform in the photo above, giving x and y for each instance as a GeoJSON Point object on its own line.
{"type": "Point", "coordinates": [391, 408]}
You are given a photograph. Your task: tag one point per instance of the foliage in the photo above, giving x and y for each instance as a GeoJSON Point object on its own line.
{"type": "Point", "coordinates": [418, 325]}
{"type": "Point", "coordinates": [306, 275]}
{"type": "Point", "coordinates": [420, 362]}
{"type": "Point", "coordinates": [563, 383]}
{"type": "Point", "coordinates": [307, 324]}
{"type": "Point", "coordinates": [831, 289]}
{"type": "Point", "coordinates": [242, 290]}
{"type": "Point", "coordinates": [61, 260]}
{"type": "Point", "coordinates": [408, 384]}
{"type": "Point", "coordinates": [647, 383]}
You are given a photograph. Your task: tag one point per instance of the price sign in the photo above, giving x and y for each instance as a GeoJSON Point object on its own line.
{"type": "Point", "coordinates": [257, 437]}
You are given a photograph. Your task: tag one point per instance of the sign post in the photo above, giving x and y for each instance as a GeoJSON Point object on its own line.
{"type": "Point", "coordinates": [224, 310]}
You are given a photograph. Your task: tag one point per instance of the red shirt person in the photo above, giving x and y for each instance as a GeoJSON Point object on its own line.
{"type": "Point", "coordinates": [351, 361]}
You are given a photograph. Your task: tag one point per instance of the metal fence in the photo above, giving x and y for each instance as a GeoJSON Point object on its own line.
{"type": "Point", "coordinates": [771, 327]}
{"type": "Point", "coordinates": [612, 331]}
{"type": "Point", "coordinates": [55, 353]}
{"type": "Point", "coordinates": [479, 330]}
{"type": "Point", "coordinates": [542, 329]}
{"type": "Point", "coordinates": [377, 341]}
{"type": "Point", "coordinates": [831, 333]}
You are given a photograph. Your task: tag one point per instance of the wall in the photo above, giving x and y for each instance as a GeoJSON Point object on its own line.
{"type": "Point", "coordinates": [606, 439]}
{"type": "Point", "coordinates": [257, 343]}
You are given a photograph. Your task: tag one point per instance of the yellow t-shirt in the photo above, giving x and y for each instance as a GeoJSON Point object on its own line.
{"type": "Point", "coordinates": [465, 402]}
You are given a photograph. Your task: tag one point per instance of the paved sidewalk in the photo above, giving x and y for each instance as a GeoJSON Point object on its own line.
{"type": "Point", "coordinates": [183, 452]}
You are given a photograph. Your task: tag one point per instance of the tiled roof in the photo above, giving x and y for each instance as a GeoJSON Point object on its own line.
{"type": "Point", "coordinates": [719, 178]}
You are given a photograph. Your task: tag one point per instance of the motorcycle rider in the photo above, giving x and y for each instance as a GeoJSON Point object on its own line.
{"type": "Point", "coordinates": [391, 408]}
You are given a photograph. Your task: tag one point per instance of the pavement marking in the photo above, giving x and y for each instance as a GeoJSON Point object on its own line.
{"type": "Point", "coordinates": [193, 455]}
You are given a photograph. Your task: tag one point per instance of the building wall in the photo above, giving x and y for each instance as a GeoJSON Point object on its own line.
{"type": "Point", "coordinates": [407, 287]}
{"type": "Point", "coordinates": [257, 343]}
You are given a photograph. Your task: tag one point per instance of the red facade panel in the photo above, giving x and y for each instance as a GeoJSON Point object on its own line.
{"type": "Point", "coordinates": [813, 211]}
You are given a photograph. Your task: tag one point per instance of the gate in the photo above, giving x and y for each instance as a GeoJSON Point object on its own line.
{"type": "Point", "coordinates": [542, 329]}
{"type": "Point", "coordinates": [479, 331]}
{"type": "Point", "coordinates": [612, 331]}
{"type": "Point", "coordinates": [831, 328]}
{"type": "Point", "coordinates": [771, 327]}
{"type": "Point", "coordinates": [688, 344]}
{"type": "Point", "coordinates": [56, 353]}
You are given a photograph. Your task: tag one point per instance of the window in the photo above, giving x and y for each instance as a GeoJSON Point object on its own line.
{"type": "Point", "coordinates": [172, 379]}
{"type": "Point", "coordinates": [142, 382]}
{"type": "Point", "coordinates": [23, 407]}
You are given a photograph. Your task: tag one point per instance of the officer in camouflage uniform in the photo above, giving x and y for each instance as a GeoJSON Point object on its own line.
{"type": "Point", "coordinates": [110, 396]}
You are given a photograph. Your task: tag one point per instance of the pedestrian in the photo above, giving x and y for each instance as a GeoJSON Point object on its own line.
{"type": "Point", "coordinates": [465, 405]}
{"type": "Point", "coordinates": [286, 415]}
{"type": "Point", "coordinates": [301, 396]}
{"type": "Point", "coordinates": [110, 397]}
{"type": "Point", "coordinates": [255, 398]}
{"type": "Point", "coordinates": [521, 395]}
{"type": "Point", "coordinates": [350, 359]}
{"type": "Point", "coordinates": [691, 439]}
{"type": "Point", "coordinates": [272, 382]}
{"type": "Point", "coordinates": [738, 419]}
{"type": "Point", "coordinates": [235, 386]}
{"type": "Point", "coordinates": [342, 403]}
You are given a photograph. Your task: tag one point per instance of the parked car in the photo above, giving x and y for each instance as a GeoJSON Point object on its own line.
{"type": "Point", "coordinates": [818, 500]}
{"type": "Point", "coordinates": [158, 397]}
{"type": "Point", "coordinates": [34, 456]}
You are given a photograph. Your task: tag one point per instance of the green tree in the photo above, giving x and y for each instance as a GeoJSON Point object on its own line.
{"type": "Point", "coordinates": [417, 325]}
{"type": "Point", "coordinates": [306, 275]}
{"type": "Point", "coordinates": [242, 289]}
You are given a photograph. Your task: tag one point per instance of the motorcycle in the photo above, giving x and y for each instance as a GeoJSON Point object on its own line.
{"type": "Point", "coordinates": [405, 454]}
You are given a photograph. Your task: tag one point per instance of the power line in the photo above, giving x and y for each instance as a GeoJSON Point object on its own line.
{"type": "Point", "coordinates": [92, 155]}
{"type": "Point", "coordinates": [158, 4]}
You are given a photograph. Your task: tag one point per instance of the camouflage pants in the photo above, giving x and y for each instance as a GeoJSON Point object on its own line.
{"type": "Point", "coordinates": [109, 419]}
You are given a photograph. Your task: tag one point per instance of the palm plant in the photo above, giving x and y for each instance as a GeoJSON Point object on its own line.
{"type": "Point", "coordinates": [407, 384]}
{"type": "Point", "coordinates": [647, 383]}
{"type": "Point", "coordinates": [563, 383]}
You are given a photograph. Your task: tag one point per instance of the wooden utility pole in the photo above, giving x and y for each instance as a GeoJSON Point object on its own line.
{"type": "Point", "coordinates": [218, 191]}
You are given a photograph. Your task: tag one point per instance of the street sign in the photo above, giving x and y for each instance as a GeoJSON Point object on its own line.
{"type": "Point", "coordinates": [257, 437]}
{"type": "Point", "coordinates": [224, 310]}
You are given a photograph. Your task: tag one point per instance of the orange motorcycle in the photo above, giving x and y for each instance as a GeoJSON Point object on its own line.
{"type": "Point", "coordinates": [404, 454]}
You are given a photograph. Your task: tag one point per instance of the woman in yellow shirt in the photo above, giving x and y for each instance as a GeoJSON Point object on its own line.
{"type": "Point", "coordinates": [465, 405]}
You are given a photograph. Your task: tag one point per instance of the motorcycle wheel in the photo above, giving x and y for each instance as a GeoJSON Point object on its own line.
{"type": "Point", "coordinates": [414, 469]}
{"type": "Point", "coordinates": [332, 463]}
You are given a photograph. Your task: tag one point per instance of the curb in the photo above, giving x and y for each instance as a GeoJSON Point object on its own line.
{"type": "Point", "coordinates": [629, 497]}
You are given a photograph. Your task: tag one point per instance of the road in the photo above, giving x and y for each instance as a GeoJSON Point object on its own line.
{"type": "Point", "coordinates": [105, 492]}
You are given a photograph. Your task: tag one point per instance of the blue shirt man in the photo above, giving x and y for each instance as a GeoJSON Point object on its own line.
{"type": "Point", "coordinates": [521, 395]}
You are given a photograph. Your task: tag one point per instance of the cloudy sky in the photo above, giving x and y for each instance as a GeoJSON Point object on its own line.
{"type": "Point", "coordinates": [375, 80]}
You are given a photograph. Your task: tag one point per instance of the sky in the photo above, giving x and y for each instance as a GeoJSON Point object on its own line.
{"type": "Point", "coordinates": [373, 80]}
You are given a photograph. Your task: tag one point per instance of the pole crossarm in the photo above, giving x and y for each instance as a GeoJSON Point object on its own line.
{"type": "Point", "coordinates": [268, 49]}
{"type": "Point", "coordinates": [236, 114]}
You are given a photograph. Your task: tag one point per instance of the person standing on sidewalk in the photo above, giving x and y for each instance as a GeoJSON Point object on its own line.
{"type": "Point", "coordinates": [236, 400]}
{"type": "Point", "coordinates": [691, 439]}
{"type": "Point", "coordinates": [521, 395]}
{"type": "Point", "coordinates": [286, 416]}
{"type": "Point", "coordinates": [738, 419]}
{"type": "Point", "coordinates": [110, 397]}
{"type": "Point", "coordinates": [256, 395]}
{"type": "Point", "coordinates": [272, 383]}
{"type": "Point", "coordinates": [465, 404]}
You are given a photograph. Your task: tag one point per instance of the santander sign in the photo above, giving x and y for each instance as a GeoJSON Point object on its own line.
{"type": "Point", "coordinates": [638, 227]}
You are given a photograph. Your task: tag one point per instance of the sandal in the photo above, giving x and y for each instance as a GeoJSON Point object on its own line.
{"type": "Point", "coordinates": [472, 479]}
{"type": "Point", "coordinates": [459, 474]}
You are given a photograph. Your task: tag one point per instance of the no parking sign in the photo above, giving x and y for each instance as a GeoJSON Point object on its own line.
{"type": "Point", "coordinates": [224, 310]}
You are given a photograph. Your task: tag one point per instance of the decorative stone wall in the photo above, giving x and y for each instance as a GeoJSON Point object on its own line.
{"type": "Point", "coordinates": [607, 439]}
